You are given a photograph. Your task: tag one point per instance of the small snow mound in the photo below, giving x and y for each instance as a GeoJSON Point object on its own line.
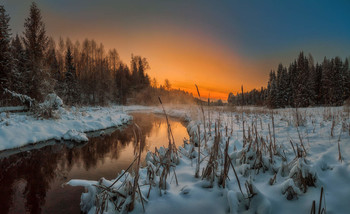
{"type": "Point", "coordinates": [185, 190]}
{"type": "Point", "coordinates": [52, 100]}
{"type": "Point", "coordinates": [75, 136]}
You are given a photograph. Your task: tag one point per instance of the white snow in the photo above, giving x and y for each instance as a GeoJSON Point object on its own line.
{"type": "Point", "coordinates": [197, 195]}
{"type": "Point", "coordinates": [75, 136]}
{"type": "Point", "coordinates": [277, 181]}
{"type": "Point", "coordinates": [18, 129]}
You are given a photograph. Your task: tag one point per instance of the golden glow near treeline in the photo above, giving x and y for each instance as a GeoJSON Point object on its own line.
{"type": "Point", "coordinates": [184, 55]}
{"type": "Point", "coordinates": [218, 45]}
{"type": "Point", "coordinates": [187, 60]}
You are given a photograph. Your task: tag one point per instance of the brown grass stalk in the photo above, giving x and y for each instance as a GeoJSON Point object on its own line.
{"type": "Point", "coordinates": [203, 115]}
{"type": "Point", "coordinates": [199, 152]}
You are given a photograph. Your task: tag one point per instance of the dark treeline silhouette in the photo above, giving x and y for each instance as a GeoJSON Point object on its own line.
{"type": "Point", "coordinates": [302, 84]}
{"type": "Point", "coordinates": [84, 73]}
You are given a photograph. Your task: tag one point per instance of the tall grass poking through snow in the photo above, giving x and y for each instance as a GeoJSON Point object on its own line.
{"type": "Point", "coordinates": [237, 154]}
{"type": "Point", "coordinates": [125, 190]}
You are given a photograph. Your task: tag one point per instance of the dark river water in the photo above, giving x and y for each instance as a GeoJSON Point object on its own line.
{"type": "Point", "coordinates": [31, 181]}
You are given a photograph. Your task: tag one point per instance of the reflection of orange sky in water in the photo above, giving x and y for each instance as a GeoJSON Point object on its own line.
{"type": "Point", "coordinates": [33, 179]}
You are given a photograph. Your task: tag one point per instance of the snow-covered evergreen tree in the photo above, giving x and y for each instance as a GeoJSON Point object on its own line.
{"type": "Point", "coordinates": [303, 92]}
{"type": "Point", "coordinates": [282, 84]}
{"type": "Point", "coordinates": [19, 75]}
{"type": "Point", "coordinates": [272, 90]}
{"type": "Point", "coordinates": [346, 79]}
{"type": "Point", "coordinates": [338, 90]}
{"type": "Point", "coordinates": [317, 83]}
{"type": "Point", "coordinates": [70, 81]}
{"type": "Point", "coordinates": [54, 68]}
{"type": "Point", "coordinates": [35, 42]}
{"type": "Point", "coordinates": [292, 71]}
{"type": "Point", "coordinates": [5, 54]}
{"type": "Point", "coordinates": [326, 81]}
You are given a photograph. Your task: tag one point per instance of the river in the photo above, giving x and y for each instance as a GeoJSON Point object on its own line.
{"type": "Point", "coordinates": [31, 181]}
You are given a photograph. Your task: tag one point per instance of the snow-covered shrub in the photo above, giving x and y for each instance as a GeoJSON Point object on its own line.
{"type": "Point", "coordinates": [75, 136]}
{"type": "Point", "coordinates": [210, 172]}
{"type": "Point", "coordinates": [51, 107]}
{"type": "Point", "coordinates": [301, 176]}
{"type": "Point", "coordinates": [106, 196]}
{"type": "Point", "coordinates": [290, 190]}
{"type": "Point", "coordinates": [284, 169]}
{"type": "Point", "coordinates": [160, 164]}
{"type": "Point", "coordinates": [26, 100]}
{"type": "Point", "coordinates": [254, 156]}
{"type": "Point", "coordinates": [254, 202]}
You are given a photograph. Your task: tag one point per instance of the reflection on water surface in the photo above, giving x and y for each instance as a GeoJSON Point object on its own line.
{"type": "Point", "coordinates": [31, 181]}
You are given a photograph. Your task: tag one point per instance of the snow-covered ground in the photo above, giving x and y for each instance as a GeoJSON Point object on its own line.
{"type": "Point", "coordinates": [19, 129]}
{"type": "Point", "coordinates": [282, 162]}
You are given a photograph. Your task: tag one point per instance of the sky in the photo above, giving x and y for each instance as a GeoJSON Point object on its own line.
{"type": "Point", "coordinates": [218, 45]}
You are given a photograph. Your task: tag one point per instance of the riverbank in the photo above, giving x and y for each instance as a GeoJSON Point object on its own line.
{"type": "Point", "coordinates": [20, 129]}
{"type": "Point", "coordinates": [43, 167]}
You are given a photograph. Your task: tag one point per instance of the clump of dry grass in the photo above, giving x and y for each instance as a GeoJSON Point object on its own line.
{"type": "Point", "coordinates": [301, 176]}
{"type": "Point", "coordinates": [210, 170]}
{"type": "Point", "coordinates": [227, 161]}
{"type": "Point", "coordinates": [122, 195]}
{"type": "Point", "coordinates": [163, 161]}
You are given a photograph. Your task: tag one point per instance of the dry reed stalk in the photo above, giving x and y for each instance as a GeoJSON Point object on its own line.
{"type": "Point", "coordinates": [339, 152]}
{"type": "Point", "coordinates": [203, 115]}
{"type": "Point", "coordinates": [320, 204]}
{"type": "Point", "coordinates": [273, 129]}
{"type": "Point", "coordinates": [244, 137]}
{"type": "Point", "coordinates": [226, 168]}
{"type": "Point", "coordinates": [120, 176]}
{"type": "Point", "coordinates": [313, 207]}
{"type": "Point", "coordinates": [239, 183]}
{"type": "Point", "coordinates": [271, 144]}
{"type": "Point", "coordinates": [273, 180]}
{"type": "Point", "coordinates": [170, 133]}
{"type": "Point", "coordinates": [199, 152]}
{"type": "Point", "coordinates": [209, 118]}
{"type": "Point", "coordinates": [293, 147]}
{"type": "Point", "coordinates": [320, 209]}
{"type": "Point", "coordinates": [139, 142]}
{"type": "Point", "coordinates": [332, 128]}
{"type": "Point", "coordinates": [301, 140]}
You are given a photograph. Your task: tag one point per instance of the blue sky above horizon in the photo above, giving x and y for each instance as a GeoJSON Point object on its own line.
{"type": "Point", "coordinates": [242, 40]}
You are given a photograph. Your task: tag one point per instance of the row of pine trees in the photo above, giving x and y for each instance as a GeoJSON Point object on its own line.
{"type": "Point", "coordinates": [80, 73]}
{"type": "Point", "coordinates": [302, 84]}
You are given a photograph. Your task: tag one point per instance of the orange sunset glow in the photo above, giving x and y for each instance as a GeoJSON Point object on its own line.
{"type": "Point", "coordinates": [185, 58]}
{"type": "Point", "coordinates": [174, 106]}
{"type": "Point", "coordinates": [218, 46]}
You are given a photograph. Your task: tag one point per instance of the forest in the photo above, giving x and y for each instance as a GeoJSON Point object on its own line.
{"type": "Point", "coordinates": [32, 65]}
{"type": "Point", "coordinates": [85, 73]}
{"type": "Point", "coordinates": [301, 84]}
